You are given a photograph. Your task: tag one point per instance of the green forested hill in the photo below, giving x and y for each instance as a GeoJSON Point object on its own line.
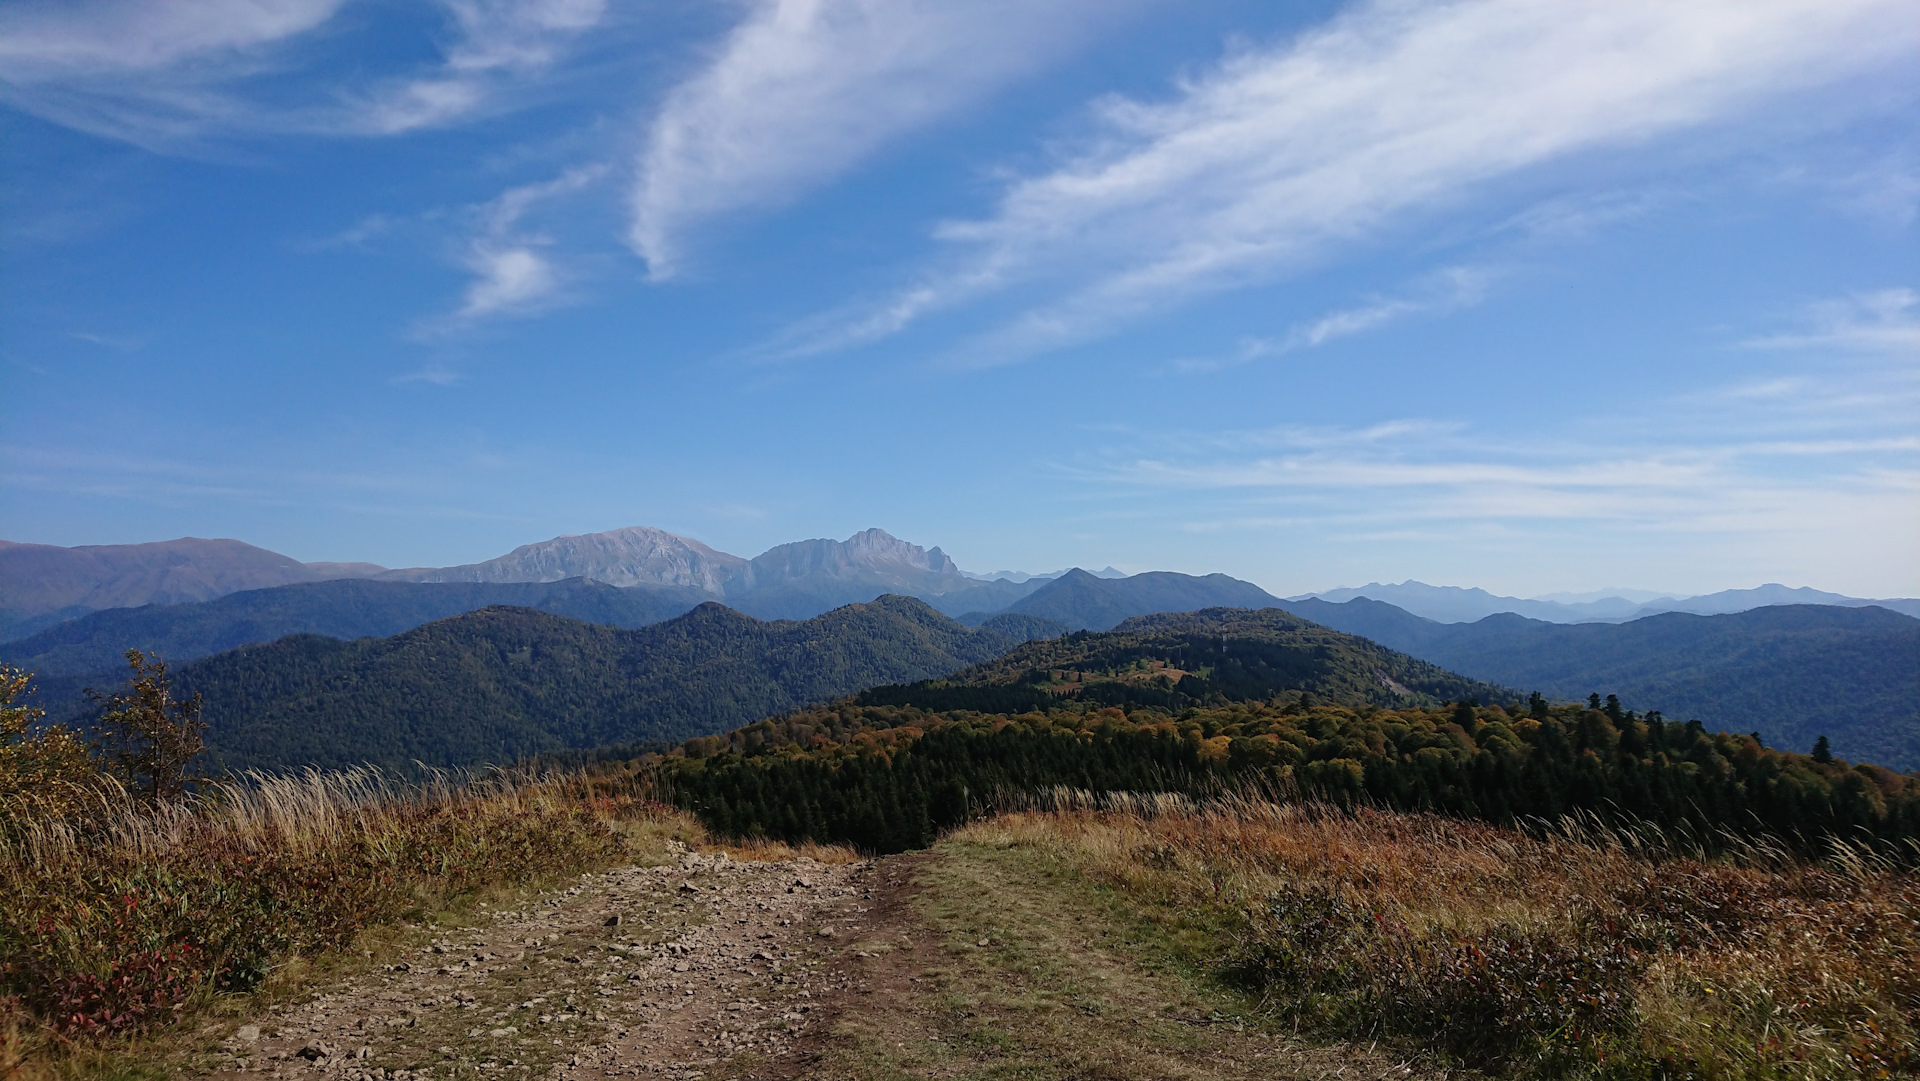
{"type": "Point", "coordinates": [1173, 660]}
{"type": "Point", "coordinates": [888, 777]}
{"type": "Point", "coordinates": [1792, 673]}
{"type": "Point", "coordinates": [1084, 602]}
{"type": "Point", "coordinates": [347, 608]}
{"type": "Point", "coordinates": [1190, 702]}
{"type": "Point", "coordinates": [502, 683]}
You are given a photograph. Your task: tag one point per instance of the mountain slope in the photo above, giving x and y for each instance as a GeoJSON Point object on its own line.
{"type": "Point", "coordinates": [1454, 604]}
{"type": "Point", "coordinates": [797, 580]}
{"type": "Point", "coordinates": [1232, 653]}
{"type": "Point", "coordinates": [634, 556]}
{"type": "Point", "coordinates": [1790, 672]}
{"type": "Point", "coordinates": [501, 683]}
{"type": "Point", "coordinates": [1084, 602]}
{"type": "Point", "coordinates": [41, 580]}
{"type": "Point", "coordinates": [1773, 594]}
{"type": "Point", "coordinates": [351, 608]}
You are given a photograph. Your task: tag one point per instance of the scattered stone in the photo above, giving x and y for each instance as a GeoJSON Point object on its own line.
{"type": "Point", "coordinates": [247, 1033]}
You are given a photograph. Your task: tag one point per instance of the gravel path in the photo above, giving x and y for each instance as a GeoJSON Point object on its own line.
{"type": "Point", "coordinates": [708, 965]}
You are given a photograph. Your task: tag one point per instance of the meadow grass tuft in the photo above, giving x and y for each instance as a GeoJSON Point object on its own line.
{"type": "Point", "coordinates": [1574, 951]}
{"type": "Point", "coordinates": [129, 917]}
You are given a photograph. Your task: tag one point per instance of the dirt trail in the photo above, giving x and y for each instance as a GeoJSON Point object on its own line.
{"type": "Point", "coordinates": [667, 972]}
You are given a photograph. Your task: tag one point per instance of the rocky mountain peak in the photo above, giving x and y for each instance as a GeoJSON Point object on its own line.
{"type": "Point", "coordinates": [636, 555]}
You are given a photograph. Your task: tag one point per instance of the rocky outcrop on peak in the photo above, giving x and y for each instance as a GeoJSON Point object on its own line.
{"type": "Point", "coordinates": [793, 581]}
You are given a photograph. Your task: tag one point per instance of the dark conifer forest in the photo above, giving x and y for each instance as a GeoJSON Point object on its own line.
{"type": "Point", "coordinates": [1208, 702]}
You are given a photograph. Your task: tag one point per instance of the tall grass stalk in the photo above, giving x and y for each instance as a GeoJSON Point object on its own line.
{"type": "Point", "coordinates": [128, 915]}
{"type": "Point", "coordinates": [1589, 947]}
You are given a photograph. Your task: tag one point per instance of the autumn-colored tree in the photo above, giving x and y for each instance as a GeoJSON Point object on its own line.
{"type": "Point", "coordinates": [147, 740]}
{"type": "Point", "coordinates": [44, 771]}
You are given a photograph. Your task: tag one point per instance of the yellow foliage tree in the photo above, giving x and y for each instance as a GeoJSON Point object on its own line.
{"type": "Point", "coordinates": [44, 771]}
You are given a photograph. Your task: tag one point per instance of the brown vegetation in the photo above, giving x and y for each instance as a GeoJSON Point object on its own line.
{"type": "Point", "coordinates": [132, 915]}
{"type": "Point", "coordinates": [1581, 953]}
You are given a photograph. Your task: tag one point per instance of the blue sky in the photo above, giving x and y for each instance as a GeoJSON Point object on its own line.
{"type": "Point", "coordinates": [1519, 294]}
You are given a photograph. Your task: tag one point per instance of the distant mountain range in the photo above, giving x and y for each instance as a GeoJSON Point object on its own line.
{"type": "Point", "coordinates": [42, 585]}
{"type": "Point", "coordinates": [1787, 669]}
{"type": "Point", "coordinates": [1023, 576]}
{"type": "Point", "coordinates": [92, 645]}
{"type": "Point", "coordinates": [1792, 673]}
{"type": "Point", "coordinates": [1455, 604]}
{"type": "Point", "coordinates": [625, 578]}
{"type": "Point", "coordinates": [344, 609]}
{"type": "Point", "coordinates": [502, 683]}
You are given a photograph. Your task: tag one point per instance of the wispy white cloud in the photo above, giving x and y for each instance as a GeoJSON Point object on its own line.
{"type": "Point", "coordinates": [437, 375]}
{"type": "Point", "coordinates": [1883, 321]}
{"type": "Point", "coordinates": [43, 43]}
{"type": "Point", "coordinates": [512, 273]}
{"type": "Point", "coordinates": [1447, 290]}
{"type": "Point", "coordinates": [1817, 470]}
{"type": "Point", "coordinates": [803, 90]}
{"type": "Point", "coordinates": [167, 74]}
{"type": "Point", "coordinates": [355, 237]}
{"type": "Point", "coordinates": [497, 43]}
{"type": "Point", "coordinates": [1277, 156]}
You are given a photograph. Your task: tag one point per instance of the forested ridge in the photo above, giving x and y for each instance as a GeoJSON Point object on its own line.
{"type": "Point", "coordinates": [501, 684]}
{"type": "Point", "coordinates": [1792, 672]}
{"type": "Point", "coordinates": [346, 608]}
{"type": "Point", "coordinates": [888, 778]}
{"type": "Point", "coordinates": [1179, 658]}
{"type": "Point", "coordinates": [1195, 701]}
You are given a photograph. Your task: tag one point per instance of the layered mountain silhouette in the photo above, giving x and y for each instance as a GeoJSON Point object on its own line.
{"type": "Point", "coordinates": [503, 683]}
{"type": "Point", "coordinates": [42, 584]}
{"type": "Point", "coordinates": [345, 609]}
{"type": "Point", "coordinates": [1792, 673]}
{"type": "Point", "coordinates": [1456, 604]}
{"type": "Point", "coordinates": [1084, 602]}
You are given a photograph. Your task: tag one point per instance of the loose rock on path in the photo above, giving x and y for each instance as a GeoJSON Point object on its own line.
{"type": "Point", "coordinates": [665, 972]}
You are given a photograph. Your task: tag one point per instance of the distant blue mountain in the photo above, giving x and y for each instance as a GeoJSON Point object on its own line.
{"type": "Point", "coordinates": [1792, 673]}
{"type": "Point", "coordinates": [1084, 602]}
{"type": "Point", "coordinates": [1456, 604]}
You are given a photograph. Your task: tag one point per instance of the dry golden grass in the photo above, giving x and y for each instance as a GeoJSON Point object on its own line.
{"type": "Point", "coordinates": [1459, 938]}
{"type": "Point", "coordinates": [121, 925]}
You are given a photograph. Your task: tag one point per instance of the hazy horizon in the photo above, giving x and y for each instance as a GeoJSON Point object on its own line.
{"type": "Point", "coordinates": [1636, 595]}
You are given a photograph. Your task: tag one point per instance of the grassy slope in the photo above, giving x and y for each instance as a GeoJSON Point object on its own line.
{"type": "Point", "coordinates": [994, 961]}
{"type": "Point", "coordinates": [1106, 930]}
